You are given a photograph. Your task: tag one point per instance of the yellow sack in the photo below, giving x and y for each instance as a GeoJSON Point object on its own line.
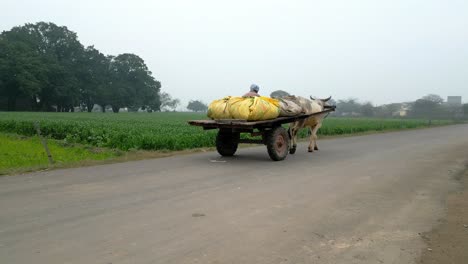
{"type": "Point", "coordinates": [239, 107]}
{"type": "Point", "coordinates": [254, 108]}
{"type": "Point", "coordinates": [218, 109]}
{"type": "Point", "coordinates": [264, 108]}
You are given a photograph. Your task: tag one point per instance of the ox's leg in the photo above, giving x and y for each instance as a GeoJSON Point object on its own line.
{"type": "Point", "coordinates": [293, 134]}
{"type": "Point", "coordinates": [292, 150]}
{"type": "Point", "coordinates": [314, 134]}
{"type": "Point", "coordinates": [311, 139]}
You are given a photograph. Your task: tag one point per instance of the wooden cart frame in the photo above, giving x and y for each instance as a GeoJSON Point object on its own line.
{"type": "Point", "coordinates": [273, 135]}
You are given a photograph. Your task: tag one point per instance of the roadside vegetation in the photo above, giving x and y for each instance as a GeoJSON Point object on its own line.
{"type": "Point", "coordinates": [84, 138]}
{"type": "Point", "coordinates": [163, 131]}
{"type": "Point", "coordinates": [126, 131]}
{"type": "Point", "coordinates": [19, 154]}
{"type": "Point", "coordinates": [346, 126]}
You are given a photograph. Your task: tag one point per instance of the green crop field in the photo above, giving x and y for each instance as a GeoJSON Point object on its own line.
{"type": "Point", "coordinates": [161, 131]}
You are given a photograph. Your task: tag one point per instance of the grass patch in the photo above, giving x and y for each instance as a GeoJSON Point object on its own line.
{"type": "Point", "coordinates": [20, 154]}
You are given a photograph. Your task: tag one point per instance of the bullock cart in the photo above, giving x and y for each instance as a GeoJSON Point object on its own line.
{"type": "Point", "coordinates": [267, 132]}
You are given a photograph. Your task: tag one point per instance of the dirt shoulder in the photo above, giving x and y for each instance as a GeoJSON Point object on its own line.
{"type": "Point", "coordinates": [448, 243]}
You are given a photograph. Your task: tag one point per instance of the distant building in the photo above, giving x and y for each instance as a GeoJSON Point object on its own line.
{"type": "Point", "coordinates": [454, 100]}
{"type": "Point", "coordinates": [403, 111]}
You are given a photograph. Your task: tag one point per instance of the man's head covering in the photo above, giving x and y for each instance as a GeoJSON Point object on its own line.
{"type": "Point", "coordinates": [254, 88]}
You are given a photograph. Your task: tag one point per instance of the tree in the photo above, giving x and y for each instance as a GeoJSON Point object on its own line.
{"type": "Point", "coordinates": [58, 50]}
{"type": "Point", "coordinates": [46, 65]}
{"type": "Point", "coordinates": [21, 72]}
{"type": "Point", "coordinates": [197, 106]}
{"type": "Point", "coordinates": [423, 108]}
{"type": "Point", "coordinates": [92, 74]}
{"type": "Point", "coordinates": [433, 98]}
{"type": "Point", "coordinates": [154, 104]}
{"type": "Point", "coordinates": [367, 109]}
{"type": "Point", "coordinates": [348, 107]}
{"type": "Point", "coordinates": [131, 83]}
{"type": "Point", "coordinates": [430, 107]}
{"type": "Point", "coordinates": [465, 111]}
{"type": "Point", "coordinates": [104, 91]}
{"type": "Point", "coordinates": [167, 102]}
{"type": "Point", "coordinates": [279, 93]}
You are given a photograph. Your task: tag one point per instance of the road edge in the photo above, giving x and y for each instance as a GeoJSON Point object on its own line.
{"type": "Point", "coordinates": [447, 242]}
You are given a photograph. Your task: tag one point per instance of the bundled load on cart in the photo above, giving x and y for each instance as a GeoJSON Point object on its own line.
{"type": "Point", "coordinates": [254, 108]}
{"type": "Point", "coordinates": [263, 117]}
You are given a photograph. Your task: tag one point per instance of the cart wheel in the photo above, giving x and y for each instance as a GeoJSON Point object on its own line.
{"type": "Point", "coordinates": [277, 143]}
{"type": "Point", "coordinates": [226, 142]}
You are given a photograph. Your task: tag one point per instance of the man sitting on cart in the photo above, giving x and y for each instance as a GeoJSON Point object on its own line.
{"type": "Point", "coordinates": [253, 91]}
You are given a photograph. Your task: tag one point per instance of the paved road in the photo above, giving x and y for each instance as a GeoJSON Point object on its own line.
{"type": "Point", "coordinates": [358, 200]}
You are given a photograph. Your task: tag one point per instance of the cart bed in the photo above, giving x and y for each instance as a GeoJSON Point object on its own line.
{"type": "Point", "coordinates": [244, 124]}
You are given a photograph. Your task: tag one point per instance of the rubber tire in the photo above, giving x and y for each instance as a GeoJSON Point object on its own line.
{"type": "Point", "coordinates": [271, 143]}
{"type": "Point", "coordinates": [226, 143]}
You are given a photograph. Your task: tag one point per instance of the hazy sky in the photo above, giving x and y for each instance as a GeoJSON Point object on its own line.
{"type": "Point", "coordinates": [378, 51]}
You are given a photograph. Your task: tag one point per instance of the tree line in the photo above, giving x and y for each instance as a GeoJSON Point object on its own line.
{"type": "Point", "coordinates": [44, 67]}
{"type": "Point", "coordinates": [431, 106]}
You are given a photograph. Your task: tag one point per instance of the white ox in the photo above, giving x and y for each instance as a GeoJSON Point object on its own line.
{"type": "Point", "coordinates": [313, 122]}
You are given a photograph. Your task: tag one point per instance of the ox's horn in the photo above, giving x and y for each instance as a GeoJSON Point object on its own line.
{"type": "Point", "coordinates": [312, 98]}
{"type": "Point", "coordinates": [326, 99]}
